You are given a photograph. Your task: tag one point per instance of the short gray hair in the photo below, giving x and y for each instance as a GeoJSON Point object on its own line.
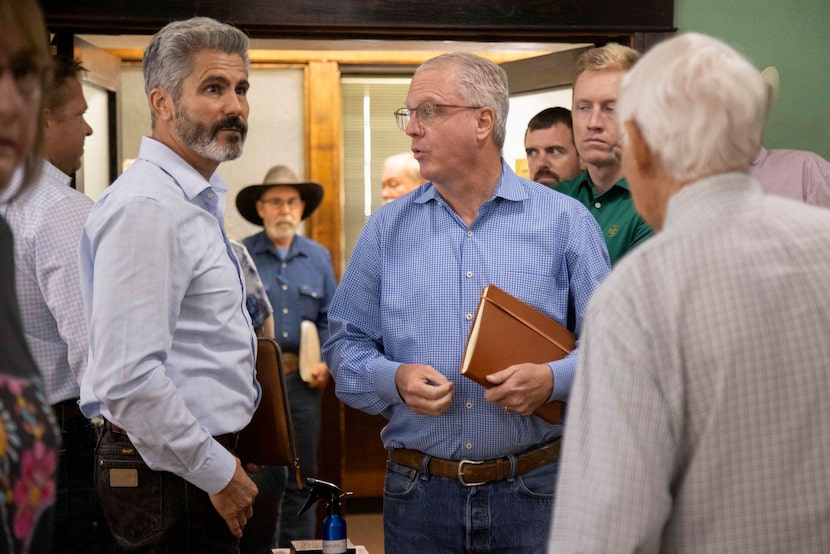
{"type": "Point", "coordinates": [481, 82]}
{"type": "Point", "coordinates": [168, 58]}
{"type": "Point", "coordinates": [699, 104]}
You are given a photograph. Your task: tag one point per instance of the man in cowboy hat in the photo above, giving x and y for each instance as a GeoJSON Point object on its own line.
{"type": "Point", "coordinates": [299, 279]}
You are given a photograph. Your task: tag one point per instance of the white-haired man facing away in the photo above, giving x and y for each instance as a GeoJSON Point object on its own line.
{"type": "Point", "coordinates": [710, 431]}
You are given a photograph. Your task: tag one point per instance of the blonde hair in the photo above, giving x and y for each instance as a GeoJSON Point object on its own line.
{"type": "Point", "coordinates": [611, 57]}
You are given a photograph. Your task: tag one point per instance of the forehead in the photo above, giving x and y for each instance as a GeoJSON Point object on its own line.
{"type": "Point", "coordinates": [558, 134]}
{"type": "Point", "coordinates": [597, 85]}
{"type": "Point", "coordinates": [280, 192]}
{"type": "Point", "coordinates": [12, 42]}
{"type": "Point", "coordinates": [207, 64]}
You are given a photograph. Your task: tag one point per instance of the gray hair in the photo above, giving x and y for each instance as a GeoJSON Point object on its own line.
{"type": "Point", "coordinates": [699, 104]}
{"type": "Point", "coordinates": [481, 83]}
{"type": "Point", "coordinates": [405, 162]}
{"type": "Point", "coordinates": [168, 58]}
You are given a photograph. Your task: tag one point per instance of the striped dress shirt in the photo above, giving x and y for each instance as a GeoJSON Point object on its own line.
{"type": "Point", "coordinates": [47, 219]}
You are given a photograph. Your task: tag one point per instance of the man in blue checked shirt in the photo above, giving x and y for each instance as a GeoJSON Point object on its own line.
{"type": "Point", "coordinates": [400, 318]}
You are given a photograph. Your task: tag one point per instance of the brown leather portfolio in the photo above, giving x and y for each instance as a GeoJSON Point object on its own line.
{"type": "Point", "coordinates": [505, 332]}
{"type": "Point", "coordinates": [269, 438]}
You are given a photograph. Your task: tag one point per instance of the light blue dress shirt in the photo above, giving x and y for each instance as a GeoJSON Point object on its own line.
{"type": "Point", "coordinates": [171, 344]}
{"type": "Point", "coordinates": [410, 292]}
{"type": "Point", "coordinates": [46, 219]}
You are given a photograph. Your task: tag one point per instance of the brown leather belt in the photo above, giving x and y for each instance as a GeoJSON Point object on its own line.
{"type": "Point", "coordinates": [228, 440]}
{"type": "Point", "coordinates": [290, 362]}
{"type": "Point", "coordinates": [472, 472]}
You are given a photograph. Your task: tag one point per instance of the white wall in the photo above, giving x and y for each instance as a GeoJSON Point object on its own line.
{"type": "Point", "coordinates": [522, 108]}
{"type": "Point", "coordinates": [94, 176]}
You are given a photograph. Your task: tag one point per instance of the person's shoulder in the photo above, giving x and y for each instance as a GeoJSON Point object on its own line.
{"type": "Point", "coordinates": [571, 186]}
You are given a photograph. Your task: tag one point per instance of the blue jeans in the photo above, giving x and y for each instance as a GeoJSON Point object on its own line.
{"type": "Point", "coordinates": [305, 413]}
{"type": "Point", "coordinates": [157, 511]}
{"type": "Point", "coordinates": [427, 513]}
{"type": "Point", "coordinates": [80, 526]}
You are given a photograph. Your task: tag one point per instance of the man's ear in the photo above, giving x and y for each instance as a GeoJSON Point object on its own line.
{"type": "Point", "coordinates": [162, 104]}
{"type": "Point", "coordinates": [640, 151]}
{"type": "Point", "coordinates": [486, 121]}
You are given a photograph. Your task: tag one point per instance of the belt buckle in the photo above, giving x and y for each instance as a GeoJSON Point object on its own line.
{"type": "Point", "coordinates": [461, 473]}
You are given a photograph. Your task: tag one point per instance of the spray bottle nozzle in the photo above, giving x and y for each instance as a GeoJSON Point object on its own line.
{"type": "Point", "coordinates": [324, 490]}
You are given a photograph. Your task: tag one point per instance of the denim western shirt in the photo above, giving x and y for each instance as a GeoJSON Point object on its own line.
{"type": "Point", "coordinates": [300, 287]}
{"type": "Point", "coordinates": [46, 219]}
{"type": "Point", "coordinates": [171, 356]}
{"type": "Point", "coordinates": [410, 292]}
{"type": "Point", "coordinates": [622, 226]}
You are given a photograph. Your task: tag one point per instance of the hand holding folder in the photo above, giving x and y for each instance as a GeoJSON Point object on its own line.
{"type": "Point", "coordinates": [506, 332]}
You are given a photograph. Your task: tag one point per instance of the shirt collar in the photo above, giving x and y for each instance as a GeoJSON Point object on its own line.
{"type": "Point", "coordinates": [47, 170]}
{"type": "Point", "coordinates": [508, 187]}
{"type": "Point", "coordinates": [185, 175]}
{"type": "Point", "coordinates": [585, 181]}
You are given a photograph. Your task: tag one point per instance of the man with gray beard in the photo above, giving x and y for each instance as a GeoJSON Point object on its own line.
{"type": "Point", "coordinates": [171, 359]}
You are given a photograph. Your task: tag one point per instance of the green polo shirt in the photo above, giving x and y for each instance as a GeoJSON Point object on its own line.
{"type": "Point", "coordinates": [621, 225]}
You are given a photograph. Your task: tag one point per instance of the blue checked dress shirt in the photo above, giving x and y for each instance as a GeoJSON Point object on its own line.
{"type": "Point", "coordinates": [46, 219]}
{"type": "Point", "coordinates": [410, 292]}
{"type": "Point", "coordinates": [171, 343]}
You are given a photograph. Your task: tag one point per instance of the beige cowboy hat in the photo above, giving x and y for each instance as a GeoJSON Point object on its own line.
{"type": "Point", "coordinates": [279, 175]}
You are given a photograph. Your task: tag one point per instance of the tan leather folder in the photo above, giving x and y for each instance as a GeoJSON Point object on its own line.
{"type": "Point", "coordinates": [505, 332]}
{"type": "Point", "coordinates": [269, 438]}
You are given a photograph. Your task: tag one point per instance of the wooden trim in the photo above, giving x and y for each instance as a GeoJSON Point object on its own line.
{"type": "Point", "coordinates": [324, 154]}
{"type": "Point", "coordinates": [343, 57]}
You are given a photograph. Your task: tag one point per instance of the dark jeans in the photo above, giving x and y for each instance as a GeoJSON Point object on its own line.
{"type": "Point", "coordinates": [155, 511]}
{"type": "Point", "coordinates": [80, 526]}
{"type": "Point", "coordinates": [305, 413]}
{"type": "Point", "coordinates": [258, 535]}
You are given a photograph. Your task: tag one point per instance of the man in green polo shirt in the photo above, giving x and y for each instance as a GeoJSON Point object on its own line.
{"type": "Point", "coordinates": [601, 187]}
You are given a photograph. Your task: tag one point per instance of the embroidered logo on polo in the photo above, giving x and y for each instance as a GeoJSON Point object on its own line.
{"type": "Point", "coordinates": [613, 230]}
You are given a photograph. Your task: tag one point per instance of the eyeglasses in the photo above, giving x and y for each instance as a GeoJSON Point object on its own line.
{"type": "Point", "coordinates": [278, 203]}
{"type": "Point", "coordinates": [26, 76]}
{"type": "Point", "coordinates": [426, 113]}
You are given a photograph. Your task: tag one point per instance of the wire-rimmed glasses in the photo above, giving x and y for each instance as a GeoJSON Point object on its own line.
{"type": "Point", "coordinates": [426, 113]}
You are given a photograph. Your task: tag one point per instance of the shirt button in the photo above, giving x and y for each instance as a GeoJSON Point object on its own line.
{"type": "Point", "coordinates": [211, 195]}
{"type": "Point", "coordinates": [285, 334]}
{"type": "Point", "coordinates": [285, 287]}
{"type": "Point", "coordinates": [468, 446]}
{"type": "Point", "coordinates": [469, 274]}
{"type": "Point", "coordinates": [469, 233]}
{"type": "Point", "coordinates": [597, 204]}
{"type": "Point", "coordinates": [285, 310]}
{"type": "Point", "coordinates": [284, 264]}
{"type": "Point", "coordinates": [469, 405]}
{"type": "Point", "coordinates": [469, 317]}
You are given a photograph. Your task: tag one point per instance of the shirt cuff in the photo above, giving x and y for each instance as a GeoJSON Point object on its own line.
{"type": "Point", "coordinates": [383, 381]}
{"type": "Point", "coordinates": [216, 472]}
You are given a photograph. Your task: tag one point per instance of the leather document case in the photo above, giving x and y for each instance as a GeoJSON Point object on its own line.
{"type": "Point", "coordinates": [505, 332]}
{"type": "Point", "coordinates": [269, 438]}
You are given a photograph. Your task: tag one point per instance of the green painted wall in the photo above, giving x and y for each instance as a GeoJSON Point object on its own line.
{"type": "Point", "coordinates": [793, 36]}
